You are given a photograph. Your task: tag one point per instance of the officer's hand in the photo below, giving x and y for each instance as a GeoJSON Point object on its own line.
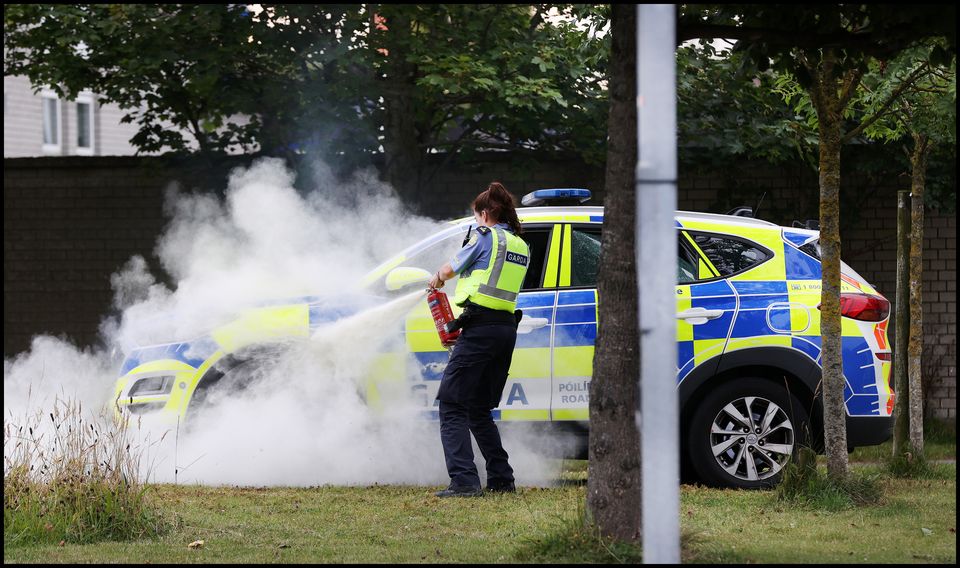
{"type": "Point", "coordinates": [435, 282]}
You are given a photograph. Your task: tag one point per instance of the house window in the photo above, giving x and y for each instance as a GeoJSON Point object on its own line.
{"type": "Point", "coordinates": [51, 123]}
{"type": "Point", "coordinates": [85, 128]}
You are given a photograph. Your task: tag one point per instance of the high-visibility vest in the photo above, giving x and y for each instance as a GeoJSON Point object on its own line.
{"type": "Point", "coordinates": [497, 285]}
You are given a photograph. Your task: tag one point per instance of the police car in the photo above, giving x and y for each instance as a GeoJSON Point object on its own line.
{"type": "Point", "coordinates": [748, 337]}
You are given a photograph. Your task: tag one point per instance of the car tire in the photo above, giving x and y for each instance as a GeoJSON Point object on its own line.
{"type": "Point", "coordinates": [234, 374]}
{"type": "Point", "coordinates": [729, 447]}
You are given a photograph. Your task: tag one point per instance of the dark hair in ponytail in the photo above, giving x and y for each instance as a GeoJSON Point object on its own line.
{"type": "Point", "coordinates": [499, 204]}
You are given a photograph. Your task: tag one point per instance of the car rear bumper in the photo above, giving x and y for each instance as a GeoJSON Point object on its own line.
{"type": "Point", "coordinates": [868, 430]}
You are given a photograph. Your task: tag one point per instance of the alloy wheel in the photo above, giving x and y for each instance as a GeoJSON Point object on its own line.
{"type": "Point", "coordinates": [752, 438]}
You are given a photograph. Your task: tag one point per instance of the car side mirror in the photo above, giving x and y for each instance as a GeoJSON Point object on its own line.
{"type": "Point", "coordinates": [403, 276]}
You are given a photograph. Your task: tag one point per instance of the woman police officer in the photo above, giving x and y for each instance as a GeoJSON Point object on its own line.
{"type": "Point", "coordinates": [492, 266]}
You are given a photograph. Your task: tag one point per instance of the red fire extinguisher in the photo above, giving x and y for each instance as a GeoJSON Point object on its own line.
{"type": "Point", "coordinates": [442, 315]}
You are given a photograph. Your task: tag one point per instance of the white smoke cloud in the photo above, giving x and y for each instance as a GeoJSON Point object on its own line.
{"type": "Point", "coordinates": [305, 422]}
{"type": "Point", "coordinates": [55, 368]}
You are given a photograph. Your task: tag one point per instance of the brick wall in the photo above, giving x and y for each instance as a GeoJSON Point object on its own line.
{"type": "Point", "coordinates": [940, 314]}
{"type": "Point", "coordinates": [452, 191]}
{"type": "Point", "coordinates": [69, 223]}
{"type": "Point", "coordinates": [871, 248]}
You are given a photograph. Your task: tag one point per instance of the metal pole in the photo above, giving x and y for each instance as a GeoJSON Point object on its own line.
{"type": "Point", "coordinates": [656, 277]}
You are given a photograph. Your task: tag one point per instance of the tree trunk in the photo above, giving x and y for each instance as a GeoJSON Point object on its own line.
{"type": "Point", "coordinates": [901, 410]}
{"type": "Point", "coordinates": [918, 162]}
{"type": "Point", "coordinates": [400, 147]}
{"type": "Point", "coordinates": [402, 155]}
{"type": "Point", "coordinates": [613, 482]}
{"type": "Point", "coordinates": [829, 110]}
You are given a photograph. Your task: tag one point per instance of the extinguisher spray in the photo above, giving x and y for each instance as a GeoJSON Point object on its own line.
{"type": "Point", "coordinates": [443, 317]}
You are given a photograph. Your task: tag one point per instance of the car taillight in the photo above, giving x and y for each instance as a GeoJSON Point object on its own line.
{"type": "Point", "coordinates": [863, 307]}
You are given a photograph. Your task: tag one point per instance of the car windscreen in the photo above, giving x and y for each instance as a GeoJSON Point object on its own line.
{"type": "Point", "coordinates": [429, 254]}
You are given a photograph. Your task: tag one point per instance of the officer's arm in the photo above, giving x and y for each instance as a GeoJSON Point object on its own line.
{"type": "Point", "coordinates": [463, 259]}
{"type": "Point", "coordinates": [445, 273]}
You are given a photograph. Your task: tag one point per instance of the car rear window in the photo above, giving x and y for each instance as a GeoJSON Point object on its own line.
{"type": "Point", "coordinates": [730, 255]}
{"type": "Point", "coordinates": [812, 249]}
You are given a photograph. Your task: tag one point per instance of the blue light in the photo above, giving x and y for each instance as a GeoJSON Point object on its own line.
{"type": "Point", "coordinates": [558, 196]}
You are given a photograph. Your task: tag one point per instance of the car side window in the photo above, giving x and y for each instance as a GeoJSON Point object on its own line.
{"type": "Point", "coordinates": [584, 257]}
{"type": "Point", "coordinates": [585, 261]}
{"type": "Point", "coordinates": [686, 263]}
{"type": "Point", "coordinates": [537, 240]}
{"type": "Point", "coordinates": [730, 255]}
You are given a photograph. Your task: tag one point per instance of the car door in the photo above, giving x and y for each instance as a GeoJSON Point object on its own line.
{"type": "Point", "coordinates": [526, 396]}
{"type": "Point", "coordinates": [706, 308]}
{"type": "Point", "coordinates": [575, 332]}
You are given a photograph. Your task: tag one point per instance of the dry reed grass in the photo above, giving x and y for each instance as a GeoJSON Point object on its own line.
{"type": "Point", "coordinates": [74, 479]}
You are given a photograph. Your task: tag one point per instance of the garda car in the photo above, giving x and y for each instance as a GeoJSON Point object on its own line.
{"type": "Point", "coordinates": [748, 338]}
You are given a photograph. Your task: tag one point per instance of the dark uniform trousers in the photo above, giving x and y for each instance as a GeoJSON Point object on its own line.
{"type": "Point", "coordinates": [470, 389]}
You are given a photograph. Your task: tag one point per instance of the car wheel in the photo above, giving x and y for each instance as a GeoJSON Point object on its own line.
{"type": "Point", "coordinates": [744, 432]}
{"type": "Point", "coordinates": [232, 376]}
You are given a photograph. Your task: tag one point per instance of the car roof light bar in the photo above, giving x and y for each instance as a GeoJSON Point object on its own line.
{"type": "Point", "coordinates": [558, 196]}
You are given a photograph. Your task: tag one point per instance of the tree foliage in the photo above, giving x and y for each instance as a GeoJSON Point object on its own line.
{"type": "Point", "coordinates": [496, 76]}
{"type": "Point", "coordinates": [328, 78]}
{"type": "Point", "coordinates": [154, 61]}
{"type": "Point", "coordinates": [895, 97]}
{"type": "Point", "coordinates": [460, 79]}
{"type": "Point", "coordinates": [925, 113]}
{"type": "Point", "coordinates": [730, 110]}
{"type": "Point", "coordinates": [350, 83]}
{"type": "Point", "coordinates": [906, 94]}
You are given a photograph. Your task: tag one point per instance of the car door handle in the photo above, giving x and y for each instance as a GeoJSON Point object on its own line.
{"type": "Point", "coordinates": [697, 316]}
{"type": "Point", "coordinates": [528, 324]}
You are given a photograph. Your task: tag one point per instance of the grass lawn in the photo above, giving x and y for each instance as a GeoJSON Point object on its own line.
{"type": "Point", "coordinates": [915, 523]}
{"type": "Point", "coordinates": [407, 524]}
{"type": "Point", "coordinates": [940, 443]}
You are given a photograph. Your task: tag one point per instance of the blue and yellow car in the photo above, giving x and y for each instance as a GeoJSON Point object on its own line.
{"type": "Point", "coordinates": [748, 337]}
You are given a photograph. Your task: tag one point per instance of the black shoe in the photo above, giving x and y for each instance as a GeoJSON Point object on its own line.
{"type": "Point", "coordinates": [460, 491]}
{"type": "Point", "coordinates": [502, 488]}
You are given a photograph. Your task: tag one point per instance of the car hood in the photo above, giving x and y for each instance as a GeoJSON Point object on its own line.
{"type": "Point", "coordinates": [323, 309]}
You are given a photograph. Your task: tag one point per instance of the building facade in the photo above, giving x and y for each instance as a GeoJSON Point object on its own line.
{"type": "Point", "coordinates": [43, 124]}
